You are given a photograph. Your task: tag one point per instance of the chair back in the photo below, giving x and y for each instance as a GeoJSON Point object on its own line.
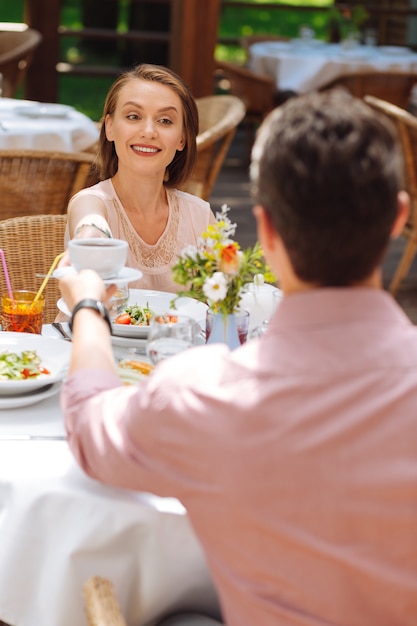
{"type": "Point", "coordinates": [41, 182]}
{"type": "Point", "coordinates": [394, 87]}
{"type": "Point", "coordinates": [255, 90]}
{"type": "Point", "coordinates": [30, 245]}
{"type": "Point", "coordinates": [101, 605]}
{"type": "Point", "coordinates": [16, 52]}
{"type": "Point", "coordinates": [219, 117]}
{"type": "Point", "coordinates": [406, 126]}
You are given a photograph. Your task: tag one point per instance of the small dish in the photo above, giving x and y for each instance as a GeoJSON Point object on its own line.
{"type": "Point", "coordinates": [125, 276]}
{"type": "Point", "coordinates": [27, 399]}
{"type": "Point", "coordinates": [159, 302]}
{"type": "Point", "coordinates": [54, 359]}
{"type": "Point", "coordinates": [44, 110]}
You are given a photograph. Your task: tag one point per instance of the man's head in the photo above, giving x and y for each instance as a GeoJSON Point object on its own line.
{"type": "Point", "coordinates": [327, 169]}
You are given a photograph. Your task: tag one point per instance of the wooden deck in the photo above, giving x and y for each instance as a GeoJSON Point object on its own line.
{"type": "Point", "coordinates": [233, 188]}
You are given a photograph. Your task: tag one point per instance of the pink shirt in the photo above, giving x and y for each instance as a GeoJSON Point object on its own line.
{"type": "Point", "coordinates": [188, 217]}
{"type": "Point", "coordinates": [295, 456]}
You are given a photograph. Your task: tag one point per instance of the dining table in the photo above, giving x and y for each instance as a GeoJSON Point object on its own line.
{"type": "Point", "coordinates": [304, 66]}
{"type": "Point", "coordinates": [30, 125]}
{"type": "Point", "coordinates": [58, 527]}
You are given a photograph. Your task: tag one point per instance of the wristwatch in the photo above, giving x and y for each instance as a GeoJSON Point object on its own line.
{"type": "Point", "coordinates": [95, 305]}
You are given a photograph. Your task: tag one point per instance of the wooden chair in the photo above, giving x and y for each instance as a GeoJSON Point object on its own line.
{"type": "Point", "coordinates": [16, 52]}
{"type": "Point", "coordinates": [394, 87]}
{"type": "Point", "coordinates": [406, 126]}
{"type": "Point", "coordinates": [30, 245]}
{"type": "Point", "coordinates": [41, 182]}
{"type": "Point", "coordinates": [219, 118]}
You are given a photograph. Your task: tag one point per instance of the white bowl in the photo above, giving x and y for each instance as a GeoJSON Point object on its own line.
{"type": "Point", "coordinates": [106, 256]}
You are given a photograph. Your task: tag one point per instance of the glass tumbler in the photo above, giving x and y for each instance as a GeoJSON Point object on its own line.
{"type": "Point", "coordinates": [21, 313]}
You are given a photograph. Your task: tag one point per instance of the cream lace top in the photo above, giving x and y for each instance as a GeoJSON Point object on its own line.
{"type": "Point", "coordinates": [188, 217]}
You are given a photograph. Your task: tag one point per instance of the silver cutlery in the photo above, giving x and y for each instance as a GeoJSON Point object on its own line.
{"type": "Point", "coordinates": [60, 329]}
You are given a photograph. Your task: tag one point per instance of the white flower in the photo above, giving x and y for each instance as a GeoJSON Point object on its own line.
{"type": "Point", "coordinates": [215, 287]}
{"type": "Point", "coordinates": [190, 252]}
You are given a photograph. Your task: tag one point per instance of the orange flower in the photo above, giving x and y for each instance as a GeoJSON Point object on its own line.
{"type": "Point", "coordinates": [230, 259]}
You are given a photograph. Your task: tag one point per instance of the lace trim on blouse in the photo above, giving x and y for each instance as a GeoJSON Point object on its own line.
{"type": "Point", "coordinates": [163, 251]}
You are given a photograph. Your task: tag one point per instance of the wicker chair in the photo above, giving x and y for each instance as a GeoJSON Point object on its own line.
{"type": "Point", "coordinates": [257, 92]}
{"type": "Point", "coordinates": [41, 182]}
{"type": "Point", "coordinates": [219, 118]}
{"type": "Point", "coordinates": [30, 245]}
{"type": "Point", "coordinates": [16, 52]}
{"type": "Point", "coordinates": [394, 87]}
{"type": "Point", "coordinates": [102, 607]}
{"type": "Point", "coordinates": [406, 126]}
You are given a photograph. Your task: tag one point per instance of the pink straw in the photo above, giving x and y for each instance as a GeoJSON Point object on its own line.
{"type": "Point", "coordinates": [6, 274]}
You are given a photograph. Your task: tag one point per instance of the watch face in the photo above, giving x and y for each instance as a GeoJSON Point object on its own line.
{"type": "Point", "coordinates": [101, 308]}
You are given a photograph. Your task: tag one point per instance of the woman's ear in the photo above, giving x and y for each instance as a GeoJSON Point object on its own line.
{"type": "Point", "coordinates": [108, 124]}
{"type": "Point", "coordinates": [181, 144]}
{"type": "Point", "coordinates": [403, 213]}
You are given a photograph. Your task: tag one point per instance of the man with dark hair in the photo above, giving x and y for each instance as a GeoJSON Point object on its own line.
{"type": "Point", "coordinates": [296, 454]}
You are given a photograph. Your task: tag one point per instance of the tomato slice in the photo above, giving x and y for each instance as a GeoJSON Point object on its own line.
{"type": "Point", "coordinates": [123, 318]}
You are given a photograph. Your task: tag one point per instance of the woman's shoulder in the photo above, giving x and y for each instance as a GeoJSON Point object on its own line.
{"type": "Point", "coordinates": [103, 189]}
{"type": "Point", "coordinates": [190, 201]}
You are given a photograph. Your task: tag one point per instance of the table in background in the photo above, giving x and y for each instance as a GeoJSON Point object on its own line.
{"type": "Point", "coordinates": [57, 127]}
{"type": "Point", "coordinates": [302, 67]}
{"type": "Point", "coordinates": [58, 527]}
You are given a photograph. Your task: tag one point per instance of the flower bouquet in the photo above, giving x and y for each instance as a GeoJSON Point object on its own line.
{"type": "Point", "coordinates": [216, 269]}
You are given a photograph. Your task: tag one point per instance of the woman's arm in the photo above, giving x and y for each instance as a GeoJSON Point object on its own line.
{"type": "Point", "coordinates": [87, 217]}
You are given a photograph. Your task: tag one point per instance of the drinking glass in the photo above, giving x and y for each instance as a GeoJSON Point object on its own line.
{"type": "Point", "coordinates": [20, 313]}
{"type": "Point", "coordinates": [118, 302]}
{"type": "Point", "coordinates": [168, 335]}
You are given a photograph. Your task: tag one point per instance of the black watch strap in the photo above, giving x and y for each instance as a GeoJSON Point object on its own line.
{"type": "Point", "coordinates": [95, 305]}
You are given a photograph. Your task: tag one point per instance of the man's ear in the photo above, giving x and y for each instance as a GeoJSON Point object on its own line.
{"type": "Point", "coordinates": [266, 232]}
{"type": "Point", "coordinates": [403, 213]}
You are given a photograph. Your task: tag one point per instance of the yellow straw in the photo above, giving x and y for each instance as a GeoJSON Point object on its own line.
{"type": "Point", "coordinates": [47, 277]}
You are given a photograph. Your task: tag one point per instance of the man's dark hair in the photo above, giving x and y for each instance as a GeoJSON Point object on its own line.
{"type": "Point", "coordinates": [328, 169]}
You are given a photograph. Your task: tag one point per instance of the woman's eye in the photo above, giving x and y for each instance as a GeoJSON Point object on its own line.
{"type": "Point", "coordinates": [132, 116]}
{"type": "Point", "coordinates": [166, 121]}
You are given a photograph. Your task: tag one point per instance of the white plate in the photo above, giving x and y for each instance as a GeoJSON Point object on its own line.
{"type": "Point", "coordinates": [44, 110]}
{"type": "Point", "coordinates": [394, 50]}
{"type": "Point", "coordinates": [159, 301]}
{"type": "Point", "coordinates": [27, 399]}
{"type": "Point", "coordinates": [125, 276]}
{"type": "Point", "coordinates": [128, 342]}
{"type": "Point", "coordinates": [54, 354]}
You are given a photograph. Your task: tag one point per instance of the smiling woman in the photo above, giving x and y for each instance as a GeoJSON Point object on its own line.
{"type": "Point", "coordinates": [146, 149]}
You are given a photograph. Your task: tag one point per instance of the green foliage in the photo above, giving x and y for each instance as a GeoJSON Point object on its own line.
{"type": "Point", "coordinates": [88, 94]}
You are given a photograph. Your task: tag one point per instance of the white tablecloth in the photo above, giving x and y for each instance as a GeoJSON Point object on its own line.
{"type": "Point", "coordinates": [72, 132]}
{"type": "Point", "coordinates": [58, 527]}
{"type": "Point", "coordinates": [303, 67]}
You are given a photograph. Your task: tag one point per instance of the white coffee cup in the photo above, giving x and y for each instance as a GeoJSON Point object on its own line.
{"type": "Point", "coordinates": [106, 256]}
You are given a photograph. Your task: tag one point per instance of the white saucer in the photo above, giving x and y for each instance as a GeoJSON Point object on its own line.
{"type": "Point", "coordinates": [44, 110]}
{"type": "Point", "coordinates": [125, 276]}
{"type": "Point", "coordinates": [27, 399]}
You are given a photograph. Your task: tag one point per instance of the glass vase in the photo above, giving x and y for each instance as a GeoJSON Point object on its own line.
{"type": "Point", "coordinates": [230, 329]}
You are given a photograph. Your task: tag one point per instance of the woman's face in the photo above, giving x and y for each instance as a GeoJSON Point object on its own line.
{"type": "Point", "coordinates": [146, 127]}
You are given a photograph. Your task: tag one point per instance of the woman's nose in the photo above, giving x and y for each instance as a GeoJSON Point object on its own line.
{"type": "Point", "coordinates": [148, 127]}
